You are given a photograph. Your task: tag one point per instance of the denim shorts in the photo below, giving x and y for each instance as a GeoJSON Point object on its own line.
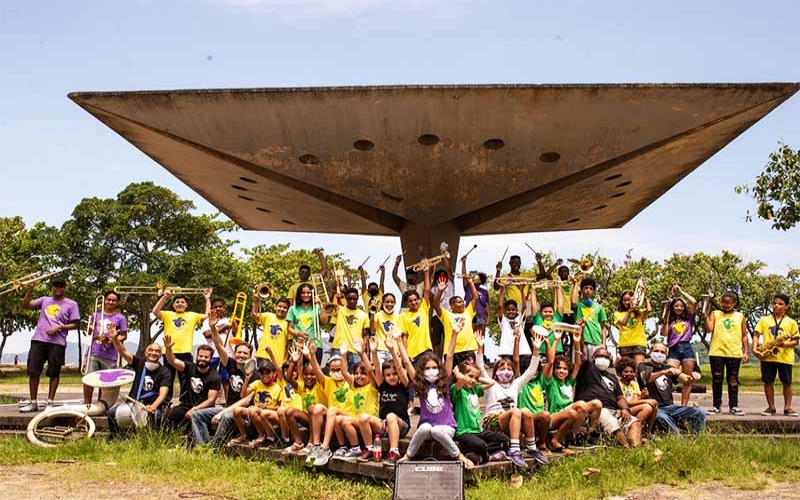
{"type": "Point", "coordinates": [681, 351]}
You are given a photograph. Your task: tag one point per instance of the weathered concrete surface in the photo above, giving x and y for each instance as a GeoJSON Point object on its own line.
{"type": "Point", "coordinates": [588, 156]}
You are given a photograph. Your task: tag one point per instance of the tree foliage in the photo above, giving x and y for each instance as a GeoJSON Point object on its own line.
{"type": "Point", "coordinates": [777, 189]}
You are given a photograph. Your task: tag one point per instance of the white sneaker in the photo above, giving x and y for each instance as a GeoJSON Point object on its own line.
{"type": "Point", "coordinates": [30, 407]}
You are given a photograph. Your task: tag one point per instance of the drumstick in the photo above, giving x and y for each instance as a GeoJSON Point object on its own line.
{"type": "Point", "coordinates": [365, 261]}
{"type": "Point", "coordinates": [504, 255]}
{"type": "Point", "coordinates": [532, 250]}
{"type": "Point", "coordinates": [470, 251]}
{"type": "Point", "coordinates": [385, 261]}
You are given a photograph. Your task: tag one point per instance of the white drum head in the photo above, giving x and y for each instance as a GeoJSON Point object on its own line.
{"type": "Point", "coordinates": [115, 377]}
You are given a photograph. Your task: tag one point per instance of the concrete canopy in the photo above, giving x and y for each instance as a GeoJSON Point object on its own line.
{"type": "Point", "coordinates": [435, 162]}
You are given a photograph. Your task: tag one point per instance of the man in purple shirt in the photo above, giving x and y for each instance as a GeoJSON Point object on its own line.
{"type": "Point", "coordinates": [101, 354]}
{"type": "Point", "coordinates": [57, 316]}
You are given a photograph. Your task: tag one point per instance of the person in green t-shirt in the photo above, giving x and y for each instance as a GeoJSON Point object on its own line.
{"type": "Point", "coordinates": [591, 315]}
{"type": "Point", "coordinates": [544, 315]}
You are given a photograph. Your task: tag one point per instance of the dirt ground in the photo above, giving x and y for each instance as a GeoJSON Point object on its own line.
{"type": "Point", "coordinates": [61, 481]}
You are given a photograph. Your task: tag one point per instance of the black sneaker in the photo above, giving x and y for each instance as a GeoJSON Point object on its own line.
{"type": "Point", "coordinates": [769, 412]}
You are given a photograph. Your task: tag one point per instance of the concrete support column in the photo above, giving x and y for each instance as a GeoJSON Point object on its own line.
{"type": "Point", "coordinates": [416, 238]}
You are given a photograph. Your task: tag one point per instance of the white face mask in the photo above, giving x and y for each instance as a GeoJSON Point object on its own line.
{"type": "Point", "coordinates": [151, 365]}
{"type": "Point", "coordinates": [658, 357]}
{"type": "Point", "coordinates": [431, 375]}
{"type": "Point", "coordinates": [602, 363]}
{"type": "Point", "coordinates": [337, 376]}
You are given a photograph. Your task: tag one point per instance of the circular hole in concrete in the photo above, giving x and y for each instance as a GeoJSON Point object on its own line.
{"type": "Point", "coordinates": [309, 159]}
{"type": "Point", "coordinates": [428, 139]}
{"type": "Point", "coordinates": [573, 221]}
{"type": "Point", "coordinates": [600, 207]}
{"type": "Point", "coordinates": [549, 157]}
{"type": "Point", "coordinates": [261, 209]}
{"type": "Point", "coordinates": [363, 145]}
{"type": "Point", "coordinates": [288, 222]}
{"type": "Point", "coordinates": [617, 195]}
{"type": "Point", "coordinates": [248, 179]}
{"type": "Point", "coordinates": [493, 144]}
{"type": "Point", "coordinates": [612, 177]}
{"type": "Point", "coordinates": [246, 198]}
{"type": "Point", "coordinates": [623, 184]}
{"type": "Point", "coordinates": [238, 188]}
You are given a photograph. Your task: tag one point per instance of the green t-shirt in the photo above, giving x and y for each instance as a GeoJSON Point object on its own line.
{"type": "Point", "coordinates": [532, 395]}
{"type": "Point", "coordinates": [467, 409]}
{"type": "Point", "coordinates": [595, 316]}
{"type": "Point", "coordinates": [303, 320]}
{"type": "Point", "coordinates": [539, 320]}
{"type": "Point", "coordinates": [559, 394]}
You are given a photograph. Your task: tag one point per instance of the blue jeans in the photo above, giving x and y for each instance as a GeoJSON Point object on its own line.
{"type": "Point", "coordinates": [352, 359]}
{"type": "Point", "coordinates": [671, 415]}
{"type": "Point", "coordinates": [201, 423]}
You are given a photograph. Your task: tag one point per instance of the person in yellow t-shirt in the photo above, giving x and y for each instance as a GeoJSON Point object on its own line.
{"type": "Point", "coordinates": [780, 329]}
{"type": "Point", "coordinates": [458, 322]}
{"type": "Point", "coordinates": [414, 322]}
{"type": "Point", "coordinates": [372, 294]}
{"type": "Point", "coordinates": [276, 331]}
{"type": "Point", "coordinates": [643, 409]}
{"type": "Point", "coordinates": [630, 324]}
{"type": "Point", "coordinates": [352, 325]}
{"type": "Point", "coordinates": [180, 325]}
{"type": "Point", "coordinates": [517, 293]}
{"type": "Point", "coordinates": [305, 392]}
{"type": "Point", "coordinates": [383, 323]}
{"type": "Point", "coordinates": [729, 347]}
{"type": "Point", "coordinates": [265, 395]}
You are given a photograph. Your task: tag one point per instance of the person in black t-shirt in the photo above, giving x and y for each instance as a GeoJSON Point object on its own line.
{"type": "Point", "coordinates": [151, 381]}
{"type": "Point", "coordinates": [658, 377]}
{"type": "Point", "coordinates": [595, 382]}
{"type": "Point", "coordinates": [203, 420]}
{"type": "Point", "coordinates": [391, 380]}
{"type": "Point", "coordinates": [202, 384]}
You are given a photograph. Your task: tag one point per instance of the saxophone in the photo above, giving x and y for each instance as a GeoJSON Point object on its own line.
{"type": "Point", "coordinates": [772, 347]}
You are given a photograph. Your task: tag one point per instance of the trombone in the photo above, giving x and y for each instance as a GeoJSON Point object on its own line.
{"type": "Point", "coordinates": [91, 328]}
{"type": "Point", "coordinates": [177, 290]}
{"type": "Point", "coordinates": [318, 285]}
{"type": "Point", "coordinates": [237, 316]}
{"type": "Point", "coordinates": [158, 289]}
{"type": "Point", "coordinates": [16, 285]}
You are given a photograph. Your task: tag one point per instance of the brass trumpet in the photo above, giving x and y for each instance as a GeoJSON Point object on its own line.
{"type": "Point", "coordinates": [585, 268]}
{"type": "Point", "coordinates": [264, 291]}
{"type": "Point", "coordinates": [18, 284]}
{"type": "Point", "coordinates": [426, 264]}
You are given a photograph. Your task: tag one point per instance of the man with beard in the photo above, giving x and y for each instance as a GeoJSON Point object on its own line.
{"type": "Point", "coordinates": [202, 384]}
{"type": "Point", "coordinates": [594, 381]}
{"type": "Point", "coordinates": [150, 384]}
{"type": "Point", "coordinates": [658, 377]}
{"type": "Point", "coordinates": [239, 375]}
{"type": "Point", "coordinates": [304, 273]}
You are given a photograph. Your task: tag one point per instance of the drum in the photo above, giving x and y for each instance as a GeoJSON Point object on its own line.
{"type": "Point", "coordinates": [129, 414]}
{"type": "Point", "coordinates": [114, 377]}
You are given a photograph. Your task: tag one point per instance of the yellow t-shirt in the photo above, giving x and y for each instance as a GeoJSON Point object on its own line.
{"type": "Point", "coordinates": [275, 335]}
{"type": "Point", "coordinates": [630, 390]}
{"type": "Point", "coordinates": [726, 339]}
{"type": "Point", "coordinates": [290, 398]}
{"type": "Point", "coordinates": [383, 325]}
{"type": "Point", "coordinates": [631, 333]}
{"type": "Point", "coordinates": [517, 292]}
{"type": "Point", "coordinates": [181, 327]}
{"type": "Point", "coordinates": [337, 395]}
{"type": "Point", "coordinates": [415, 325]}
{"type": "Point", "coordinates": [350, 325]}
{"type": "Point", "coordinates": [266, 396]}
{"type": "Point", "coordinates": [365, 400]}
{"type": "Point", "coordinates": [375, 301]}
{"type": "Point", "coordinates": [566, 294]}
{"type": "Point", "coordinates": [788, 326]}
{"type": "Point", "coordinates": [311, 395]}
{"type": "Point", "coordinates": [340, 301]}
{"type": "Point", "coordinates": [466, 337]}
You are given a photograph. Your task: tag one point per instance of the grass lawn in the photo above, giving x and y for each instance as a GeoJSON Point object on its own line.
{"type": "Point", "coordinates": [745, 463]}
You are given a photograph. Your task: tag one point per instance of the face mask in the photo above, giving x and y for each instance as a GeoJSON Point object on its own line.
{"type": "Point", "coordinates": [602, 363]}
{"type": "Point", "coordinates": [627, 378]}
{"type": "Point", "coordinates": [150, 365]}
{"type": "Point", "coordinates": [658, 357]}
{"type": "Point", "coordinates": [431, 375]}
{"type": "Point", "coordinates": [587, 302]}
{"type": "Point", "coordinates": [337, 376]}
{"type": "Point", "coordinates": [504, 376]}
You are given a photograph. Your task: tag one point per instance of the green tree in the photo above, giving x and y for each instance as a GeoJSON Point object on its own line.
{"type": "Point", "coordinates": [777, 189]}
{"type": "Point", "coordinates": [147, 235]}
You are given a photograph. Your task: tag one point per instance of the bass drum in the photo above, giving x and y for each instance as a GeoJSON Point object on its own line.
{"type": "Point", "coordinates": [130, 415]}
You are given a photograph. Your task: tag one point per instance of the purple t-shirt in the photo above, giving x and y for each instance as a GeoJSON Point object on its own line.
{"type": "Point", "coordinates": [106, 349]}
{"type": "Point", "coordinates": [680, 330]}
{"type": "Point", "coordinates": [481, 307]}
{"type": "Point", "coordinates": [436, 409]}
{"type": "Point", "coordinates": [54, 312]}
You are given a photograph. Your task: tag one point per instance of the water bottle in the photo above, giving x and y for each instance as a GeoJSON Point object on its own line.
{"type": "Point", "coordinates": [377, 448]}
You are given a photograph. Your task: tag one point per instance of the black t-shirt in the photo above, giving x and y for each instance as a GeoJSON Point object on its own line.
{"type": "Point", "coordinates": [594, 384]}
{"type": "Point", "coordinates": [198, 384]}
{"type": "Point", "coordinates": [661, 388]}
{"type": "Point", "coordinates": [235, 381]}
{"type": "Point", "coordinates": [394, 399]}
{"type": "Point", "coordinates": [146, 390]}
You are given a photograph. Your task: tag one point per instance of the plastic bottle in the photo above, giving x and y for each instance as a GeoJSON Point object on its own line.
{"type": "Point", "coordinates": [377, 448]}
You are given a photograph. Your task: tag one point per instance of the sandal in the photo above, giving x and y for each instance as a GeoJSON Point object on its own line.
{"type": "Point", "coordinates": [237, 441]}
{"type": "Point", "coordinates": [258, 441]}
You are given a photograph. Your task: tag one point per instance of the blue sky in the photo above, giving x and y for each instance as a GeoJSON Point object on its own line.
{"type": "Point", "coordinates": [54, 153]}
